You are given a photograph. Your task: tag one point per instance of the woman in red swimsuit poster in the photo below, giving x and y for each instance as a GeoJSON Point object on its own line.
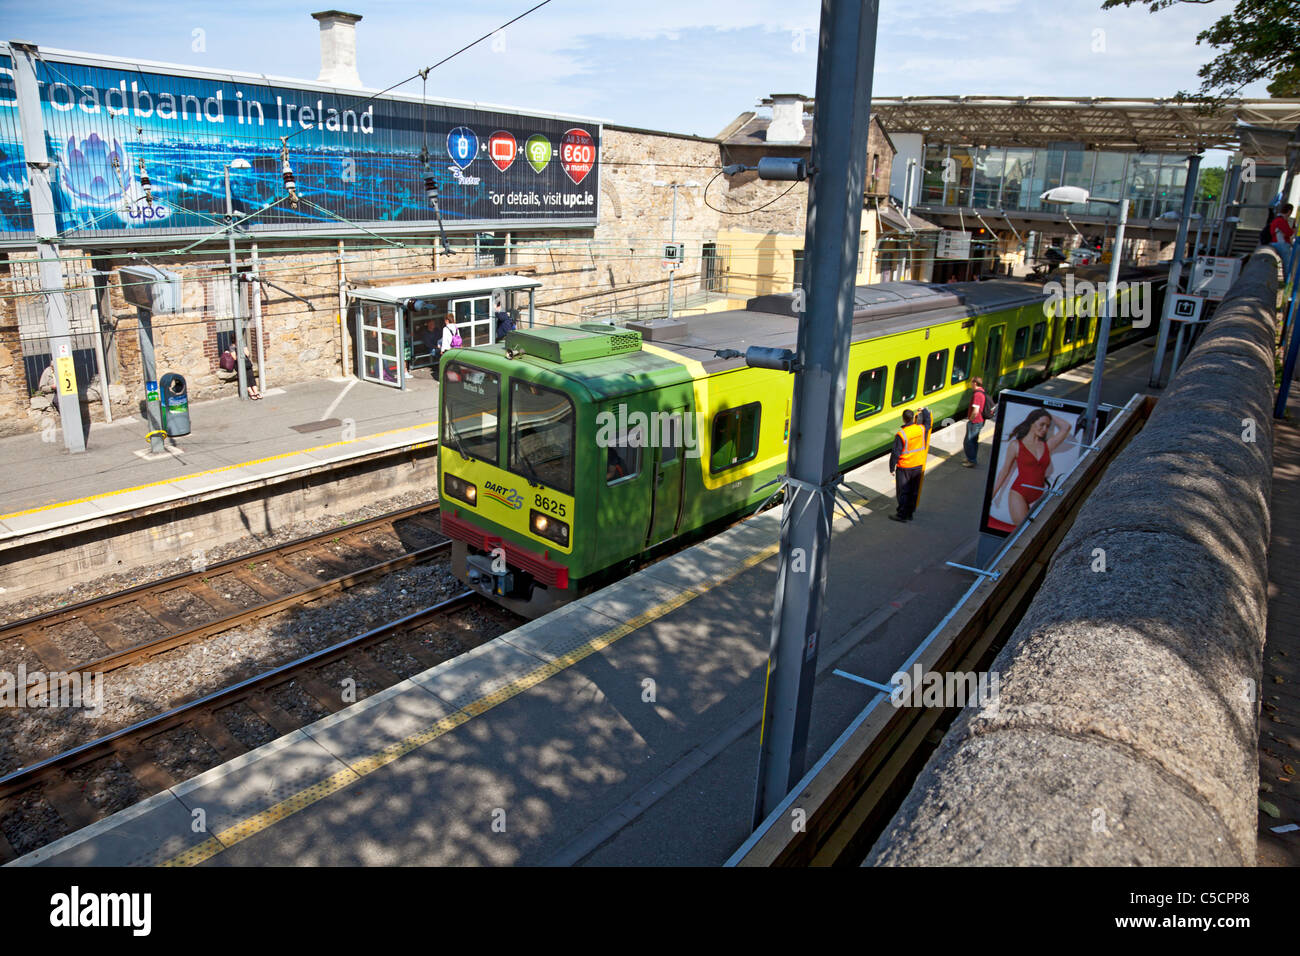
{"type": "Point", "coordinates": [1029, 449]}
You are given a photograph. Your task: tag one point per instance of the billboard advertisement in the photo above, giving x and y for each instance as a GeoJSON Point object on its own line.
{"type": "Point", "coordinates": [141, 150]}
{"type": "Point", "coordinates": [1037, 440]}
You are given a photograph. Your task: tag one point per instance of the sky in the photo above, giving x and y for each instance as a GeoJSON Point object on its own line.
{"type": "Point", "coordinates": [684, 67]}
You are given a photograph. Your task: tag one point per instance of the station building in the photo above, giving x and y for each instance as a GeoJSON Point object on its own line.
{"type": "Point", "coordinates": [353, 274]}
{"type": "Point", "coordinates": [978, 165]}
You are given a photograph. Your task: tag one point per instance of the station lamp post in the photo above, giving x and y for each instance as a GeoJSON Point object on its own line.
{"type": "Point", "coordinates": [1068, 195]}
{"type": "Point", "coordinates": [234, 277]}
{"type": "Point", "coordinates": [689, 184]}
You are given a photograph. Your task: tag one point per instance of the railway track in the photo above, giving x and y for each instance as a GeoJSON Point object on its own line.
{"type": "Point", "coordinates": [57, 794]}
{"type": "Point", "coordinates": [183, 608]}
{"type": "Point", "coordinates": [56, 788]}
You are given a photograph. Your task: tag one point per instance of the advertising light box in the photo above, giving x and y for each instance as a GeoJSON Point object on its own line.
{"type": "Point", "coordinates": [356, 158]}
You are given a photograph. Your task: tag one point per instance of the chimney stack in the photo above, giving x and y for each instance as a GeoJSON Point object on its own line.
{"type": "Point", "coordinates": [787, 118]}
{"type": "Point", "coordinates": [338, 48]}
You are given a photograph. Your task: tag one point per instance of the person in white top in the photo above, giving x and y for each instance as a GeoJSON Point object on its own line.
{"type": "Point", "coordinates": [450, 335]}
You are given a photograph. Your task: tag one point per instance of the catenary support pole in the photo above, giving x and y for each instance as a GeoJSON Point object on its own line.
{"type": "Point", "coordinates": [101, 360]}
{"type": "Point", "coordinates": [234, 294]}
{"type": "Point", "coordinates": [58, 328]}
{"type": "Point", "coordinates": [1107, 316]}
{"type": "Point", "coordinates": [255, 299]}
{"type": "Point", "coordinates": [1175, 271]}
{"type": "Point", "coordinates": [152, 397]}
{"type": "Point", "coordinates": [673, 239]}
{"type": "Point", "coordinates": [846, 58]}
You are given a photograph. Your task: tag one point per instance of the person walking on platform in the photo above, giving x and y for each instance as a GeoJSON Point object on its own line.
{"type": "Point", "coordinates": [907, 461]}
{"type": "Point", "coordinates": [975, 418]}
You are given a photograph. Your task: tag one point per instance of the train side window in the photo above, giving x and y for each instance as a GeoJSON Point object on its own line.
{"type": "Point", "coordinates": [1021, 347]}
{"type": "Point", "coordinates": [623, 460]}
{"type": "Point", "coordinates": [734, 436]}
{"type": "Point", "coordinates": [961, 363]}
{"type": "Point", "coordinates": [871, 393]}
{"type": "Point", "coordinates": [671, 437]}
{"type": "Point", "coordinates": [936, 369]}
{"type": "Point", "coordinates": [1038, 341]}
{"type": "Point", "coordinates": [905, 375]}
{"type": "Point", "coordinates": [1084, 322]}
{"type": "Point", "coordinates": [1067, 335]}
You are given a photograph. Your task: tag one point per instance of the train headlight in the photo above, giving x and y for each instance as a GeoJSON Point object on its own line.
{"type": "Point", "coordinates": [550, 528]}
{"type": "Point", "coordinates": [460, 489]}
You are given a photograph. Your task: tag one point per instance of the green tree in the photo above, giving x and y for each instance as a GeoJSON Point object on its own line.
{"type": "Point", "coordinates": [1210, 185]}
{"type": "Point", "coordinates": [1259, 40]}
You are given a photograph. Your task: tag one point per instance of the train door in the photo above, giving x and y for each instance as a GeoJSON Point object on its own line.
{"type": "Point", "coordinates": [668, 453]}
{"type": "Point", "coordinates": [993, 358]}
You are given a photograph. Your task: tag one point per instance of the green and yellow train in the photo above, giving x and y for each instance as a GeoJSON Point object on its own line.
{"type": "Point", "coordinates": [569, 454]}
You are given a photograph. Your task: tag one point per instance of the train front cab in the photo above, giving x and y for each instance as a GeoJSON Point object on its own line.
{"type": "Point", "coordinates": [508, 501]}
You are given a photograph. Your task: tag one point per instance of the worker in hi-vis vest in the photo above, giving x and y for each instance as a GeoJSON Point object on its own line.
{"type": "Point", "coordinates": [907, 461]}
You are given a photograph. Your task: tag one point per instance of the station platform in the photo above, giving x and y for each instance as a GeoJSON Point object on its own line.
{"type": "Point", "coordinates": [1279, 721]}
{"type": "Point", "coordinates": [622, 729]}
{"type": "Point", "coordinates": [232, 444]}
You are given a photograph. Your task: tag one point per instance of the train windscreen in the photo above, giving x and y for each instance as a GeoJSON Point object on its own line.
{"type": "Point", "coordinates": [471, 402]}
{"type": "Point", "coordinates": [541, 435]}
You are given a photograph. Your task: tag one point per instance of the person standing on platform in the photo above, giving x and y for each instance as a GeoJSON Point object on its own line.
{"type": "Point", "coordinates": [975, 418]}
{"type": "Point", "coordinates": [1282, 235]}
{"type": "Point", "coordinates": [450, 334]}
{"type": "Point", "coordinates": [505, 325]}
{"type": "Point", "coordinates": [907, 461]}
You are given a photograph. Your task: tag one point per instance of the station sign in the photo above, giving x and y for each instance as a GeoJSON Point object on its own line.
{"type": "Point", "coordinates": [1213, 276]}
{"type": "Point", "coordinates": [953, 245]}
{"type": "Point", "coordinates": [1188, 308]}
{"type": "Point", "coordinates": [115, 128]}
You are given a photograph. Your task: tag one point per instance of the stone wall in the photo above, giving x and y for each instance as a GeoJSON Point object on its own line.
{"type": "Point", "coordinates": [1125, 728]}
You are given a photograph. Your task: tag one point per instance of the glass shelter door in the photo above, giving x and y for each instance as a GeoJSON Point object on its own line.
{"type": "Point", "coordinates": [474, 320]}
{"type": "Point", "coordinates": [379, 344]}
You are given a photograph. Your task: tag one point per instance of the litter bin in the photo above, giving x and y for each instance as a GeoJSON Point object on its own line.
{"type": "Point", "coordinates": [175, 405]}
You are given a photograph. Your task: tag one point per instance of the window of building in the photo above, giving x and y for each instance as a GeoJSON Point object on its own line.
{"type": "Point", "coordinates": [961, 363]}
{"type": "Point", "coordinates": [936, 369]}
{"type": "Point", "coordinates": [905, 375]}
{"type": "Point", "coordinates": [1038, 341]}
{"type": "Point", "coordinates": [489, 249]}
{"type": "Point", "coordinates": [712, 267]}
{"type": "Point", "coordinates": [541, 435]}
{"type": "Point", "coordinates": [1021, 346]}
{"type": "Point", "coordinates": [734, 436]}
{"type": "Point", "coordinates": [871, 393]}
